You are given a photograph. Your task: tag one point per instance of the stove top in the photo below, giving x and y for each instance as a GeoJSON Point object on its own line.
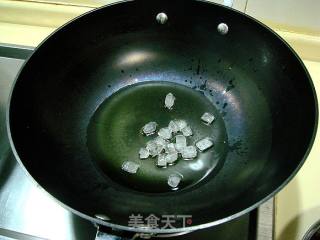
{"type": "Point", "coordinates": [27, 212]}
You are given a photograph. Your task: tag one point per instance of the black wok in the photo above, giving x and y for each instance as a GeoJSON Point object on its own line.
{"type": "Point", "coordinates": [79, 102]}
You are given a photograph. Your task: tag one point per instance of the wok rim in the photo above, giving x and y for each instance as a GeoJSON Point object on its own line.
{"type": "Point", "coordinates": [174, 230]}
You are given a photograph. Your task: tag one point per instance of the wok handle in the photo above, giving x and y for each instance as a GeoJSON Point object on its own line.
{"type": "Point", "coordinates": [104, 233]}
{"type": "Point", "coordinates": [105, 236]}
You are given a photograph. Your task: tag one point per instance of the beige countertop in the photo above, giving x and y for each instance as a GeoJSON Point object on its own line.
{"type": "Point", "coordinates": [297, 205]}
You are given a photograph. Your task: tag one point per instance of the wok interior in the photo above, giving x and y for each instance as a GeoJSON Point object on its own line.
{"type": "Point", "coordinates": [260, 88]}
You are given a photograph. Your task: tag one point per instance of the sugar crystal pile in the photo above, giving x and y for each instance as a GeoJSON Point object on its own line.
{"type": "Point", "coordinates": [170, 144]}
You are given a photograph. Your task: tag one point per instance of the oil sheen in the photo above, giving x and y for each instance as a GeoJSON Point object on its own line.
{"type": "Point", "coordinates": [114, 135]}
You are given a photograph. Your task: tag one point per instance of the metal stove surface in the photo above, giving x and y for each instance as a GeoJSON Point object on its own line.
{"type": "Point", "coordinates": [27, 212]}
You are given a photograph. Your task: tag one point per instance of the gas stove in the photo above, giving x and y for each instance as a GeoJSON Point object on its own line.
{"type": "Point", "coordinates": [27, 212]}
